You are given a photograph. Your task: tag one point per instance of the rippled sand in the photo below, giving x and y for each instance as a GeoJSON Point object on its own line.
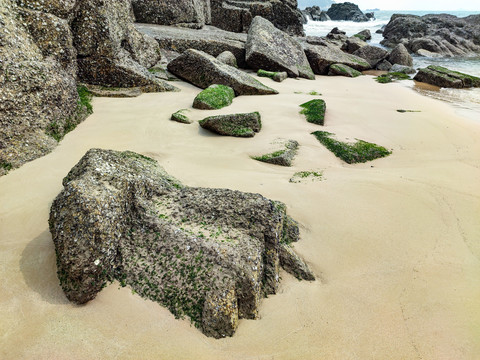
{"type": "Point", "coordinates": [395, 243]}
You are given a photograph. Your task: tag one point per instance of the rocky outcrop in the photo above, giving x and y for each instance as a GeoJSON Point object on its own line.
{"type": "Point", "coordinates": [237, 15]}
{"type": "Point", "coordinates": [209, 254]}
{"type": "Point", "coordinates": [342, 70]}
{"type": "Point", "coordinates": [442, 34]}
{"type": "Point", "coordinates": [443, 77]}
{"type": "Point", "coordinates": [271, 49]}
{"type": "Point", "coordinates": [321, 57]}
{"type": "Point", "coordinates": [204, 70]}
{"type": "Point", "coordinates": [372, 54]}
{"type": "Point", "coordinates": [238, 125]}
{"type": "Point", "coordinates": [189, 13]}
{"type": "Point", "coordinates": [316, 14]}
{"type": "Point", "coordinates": [400, 55]}
{"type": "Point", "coordinates": [346, 11]}
{"type": "Point", "coordinates": [211, 40]}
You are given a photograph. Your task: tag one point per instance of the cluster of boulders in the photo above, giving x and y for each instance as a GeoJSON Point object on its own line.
{"type": "Point", "coordinates": [340, 12]}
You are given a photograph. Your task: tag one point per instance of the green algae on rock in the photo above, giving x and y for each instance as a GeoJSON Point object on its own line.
{"type": "Point", "coordinates": [390, 77]}
{"type": "Point", "coordinates": [343, 70]}
{"type": "Point", "coordinates": [275, 76]}
{"type": "Point", "coordinates": [281, 157]}
{"type": "Point", "coordinates": [208, 254]}
{"type": "Point", "coordinates": [238, 125]}
{"type": "Point", "coordinates": [443, 77]}
{"type": "Point", "coordinates": [314, 110]}
{"type": "Point", "coordinates": [214, 97]}
{"type": "Point", "coordinates": [180, 117]}
{"type": "Point", "coordinates": [359, 152]}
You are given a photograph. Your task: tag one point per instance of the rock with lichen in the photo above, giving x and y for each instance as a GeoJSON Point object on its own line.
{"type": "Point", "coordinates": [208, 254]}
{"type": "Point", "coordinates": [283, 156]}
{"type": "Point", "coordinates": [238, 125]}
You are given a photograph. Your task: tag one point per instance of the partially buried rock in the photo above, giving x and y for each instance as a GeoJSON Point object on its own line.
{"type": "Point", "coordinates": [214, 97]}
{"type": "Point", "coordinates": [180, 117]}
{"type": "Point", "coordinates": [343, 70]}
{"type": "Point", "coordinates": [314, 111]}
{"type": "Point", "coordinates": [275, 76]}
{"type": "Point", "coordinates": [443, 77]}
{"type": "Point", "coordinates": [283, 157]}
{"type": "Point", "coordinates": [238, 125]}
{"type": "Point", "coordinates": [271, 49]}
{"type": "Point", "coordinates": [209, 254]}
{"type": "Point", "coordinates": [204, 70]}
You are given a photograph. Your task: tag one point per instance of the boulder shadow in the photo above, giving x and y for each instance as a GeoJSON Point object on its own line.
{"type": "Point", "coordinates": [39, 269]}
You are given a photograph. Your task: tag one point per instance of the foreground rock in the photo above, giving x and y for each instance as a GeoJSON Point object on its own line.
{"type": "Point", "coordinates": [443, 77]}
{"type": "Point", "coordinates": [238, 125]}
{"type": "Point", "coordinates": [214, 97]}
{"type": "Point", "coordinates": [400, 56]}
{"type": "Point", "coordinates": [441, 34]}
{"type": "Point", "coordinates": [204, 70]}
{"type": "Point", "coordinates": [271, 49]}
{"type": "Point", "coordinates": [346, 11]}
{"type": "Point", "coordinates": [209, 254]}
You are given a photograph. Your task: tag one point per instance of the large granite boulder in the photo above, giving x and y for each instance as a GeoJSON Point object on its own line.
{"type": "Point", "coordinates": [61, 8]}
{"type": "Point", "coordinates": [204, 70]}
{"type": "Point", "coordinates": [211, 40]}
{"type": "Point", "coordinates": [400, 56]}
{"type": "Point", "coordinates": [373, 54]}
{"type": "Point", "coordinates": [443, 77]}
{"type": "Point", "coordinates": [271, 49]}
{"type": "Point", "coordinates": [322, 57]}
{"type": "Point", "coordinates": [189, 13]}
{"type": "Point", "coordinates": [441, 34]}
{"type": "Point", "coordinates": [352, 44]}
{"type": "Point", "coordinates": [346, 11]}
{"type": "Point", "coordinates": [111, 51]}
{"type": "Point", "coordinates": [209, 254]}
{"type": "Point", "coordinates": [237, 15]}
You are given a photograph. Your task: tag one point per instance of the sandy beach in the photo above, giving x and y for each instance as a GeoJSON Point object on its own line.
{"type": "Point", "coordinates": [394, 243]}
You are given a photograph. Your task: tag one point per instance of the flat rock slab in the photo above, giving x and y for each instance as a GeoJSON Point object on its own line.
{"type": "Point", "coordinates": [271, 49]}
{"type": "Point", "coordinates": [209, 254]}
{"type": "Point", "coordinates": [209, 39]}
{"type": "Point", "coordinates": [203, 70]}
{"type": "Point", "coordinates": [443, 77]}
{"type": "Point", "coordinates": [238, 125]}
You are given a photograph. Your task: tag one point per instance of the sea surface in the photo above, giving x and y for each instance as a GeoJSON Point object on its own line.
{"type": "Point", "coordinates": [467, 101]}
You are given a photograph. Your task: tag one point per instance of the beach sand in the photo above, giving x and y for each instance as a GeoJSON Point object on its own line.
{"type": "Point", "coordinates": [394, 243]}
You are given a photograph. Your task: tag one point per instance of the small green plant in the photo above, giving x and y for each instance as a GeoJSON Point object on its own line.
{"type": "Point", "coordinates": [314, 110]}
{"type": "Point", "coordinates": [359, 152]}
{"type": "Point", "coordinates": [313, 92]}
{"type": "Point", "coordinates": [388, 78]}
{"type": "Point", "coordinates": [180, 117]}
{"type": "Point", "coordinates": [6, 165]}
{"type": "Point", "coordinates": [301, 176]}
{"type": "Point", "coordinates": [85, 98]}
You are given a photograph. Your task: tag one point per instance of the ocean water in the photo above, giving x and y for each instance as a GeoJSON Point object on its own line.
{"type": "Point", "coordinates": [467, 100]}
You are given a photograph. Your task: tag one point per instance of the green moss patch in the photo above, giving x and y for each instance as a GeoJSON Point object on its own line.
{"type": "Point", "coordinates": [239, 125]}
{"type": "Point", "coordinates": [314, 111]}
{"type": "Point", "coordinates": [306, 176]}
{"type": "Point", "coordinates": [281, 157]}
{"type": "Point", "coordinates": [388, 78]}
{"type": "Point", "coordinates": [180, 117]}
{"type": "Point", "coordinates": [359, 152]}
{"type": "Point", "coordinates": [467, 80]}
{"type": "Point", "coordinates": [265, 73]}
{"type": "Point", "coordinates": [214, 97]}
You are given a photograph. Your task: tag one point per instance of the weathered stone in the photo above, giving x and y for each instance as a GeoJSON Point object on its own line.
{"type": "Point", "coordinates": [189, 13]}
{"type": "Point", "coordinates": [211, 40]}
{"type": "Point", "coordinates": [180, 117]}
{"type": "Point", "coordinates": [204, 70]}
{"type": "Point", "coordinates": [352, 44]}
{"type": "Point", "coordinates": [103, 91]}
{"type": "Point", "coordinates": [384, 65]}
{"type": "Point", "coordinates": [316, 14]}
{"type": "Point", "coordinates": [210, 254]}
{"type": "Point", "coordinates": [321, 57]}
{"type": "Point", "coordinates": [61, 8]}
{"type": "Point", "coordinates": [400, 55]}
{"type": "Point", "coordinates": [364, 35]}
{"type": "Point", "coordinates": [271, 49]}
{"type": "Point", "coordinates": [214, 97]}
{"type": "Point", "coordinates": [403, 69]}
{"type": "Point", "coordinates": [342, 70]}
{"type": "Point", "coordinates": [238, 125]}
{"type": "Point", "coordinates": [373, 54]}
{"type": "Point", "coordinates": [227, 58]}
{"type": "Point", "coordinates": [443, 77]}
{"type": "Point", "coordinates": [346, 11]}
{"type": "Point", "coordinates": [282, 157]}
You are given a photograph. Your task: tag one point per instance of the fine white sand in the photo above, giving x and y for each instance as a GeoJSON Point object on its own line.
{"type": "Point", "coordinates": [395, 243]}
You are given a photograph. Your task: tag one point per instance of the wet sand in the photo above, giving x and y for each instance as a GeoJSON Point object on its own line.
{"type": "Point", "coordinates": [395, 243]}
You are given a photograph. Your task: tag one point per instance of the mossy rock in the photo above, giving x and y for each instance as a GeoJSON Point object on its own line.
{"type": "Point", "coordinates": [359, 152]}
{"type": "Point", "coordinates": [238, 125]}
{"type": "Point", "coordinates": [214, 97]}
{"type": "Point", "coordinates": [343, 70]}
{"type": "Point", "coordinates": [275, 76]}
{"type": "Point", "coordinates": [443, 77]}
{"type": "Point", "coordinates": [283, 157]}
{"type": "Point", "coordinates": [314, 110]}
{"type": "Point", "coordinates": [180, 117]}
{"type": "Point", "coordinates": [390, 77]}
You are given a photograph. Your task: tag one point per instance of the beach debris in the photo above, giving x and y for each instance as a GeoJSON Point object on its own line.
{"type": "Point", "coordinates": [306, 176]}
{"type": "Point", "coordinates": [180, 117]}
{"type": "Point", "coordinates": [275, 76]}
{"type": "Point", "coordinates": [207, 254]}
{"type": "Point", "coordinates": [282, 157]}
{"type": "Point", "coordinates": [203, 70]}
{"type": "Point", "coordinates": [343, 70]}
{"type": "Point", "coordinates": [314, 110]}
{"type": "Point", "coordinates": [214, 97]}
{"type": "Point", "coordinates": [271, 49]}
{"type": "Point", "coordinates": [358, 152]}
{"type": "Point", "coordinates": [238, 125]}
{"type": "Point", "coordinates": [443, 77]}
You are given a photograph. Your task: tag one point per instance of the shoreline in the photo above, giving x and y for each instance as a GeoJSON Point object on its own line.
{"type": "Point", "coordinates": [393, 242]}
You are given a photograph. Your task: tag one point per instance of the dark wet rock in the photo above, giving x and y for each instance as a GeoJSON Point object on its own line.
{"type": "Point", "coordinates": [384, 65]}
{"type": "Point", "coordinates": [271, 49]}
{"type": "Point", "coordinates": [400, 55]}
{"type": "Point", "coordinates": [441, 34]}
{"type": "Point", "coordinates": [227, 58]}
{"type": "Point", "coordinates": [275, 76]}
{"type": "Point", "coordinates": [316, 14]}
{"type": "Point", "coordinates": [321, 57]}
{"type": "Point", "coordinates": [189, 13]}
{"type": "Point", "coordinates": [370, 15]}
{"type": "Point", "coordinates": [209, 254]}
{"type": "Point", "coordinates": [214, 97]}
{"type": "Point", "coordinates": [443, 77]}
{"type": "Point", "coordinates": [282, 157]}
{"type": "Point", "coordinates": [180, 117]}
{"type": "Point", "coordinates": [211, 40]}
{"type": "Point", "coordinates": [352, 44]}
{"type": "Point", "coordinates": [364, 35]}
{"type": "Point", "coordinates": [342, 70]}
{"type": "Point", "coordinates": [337, 37]}
{"type": "Point", "coordinates": [237, 15]}
{"type": "Point", "coordinates": [373, 54]}
{"type": "Point", "coordinates": [204, 70]}
{"type": "Point", "coordinates": [403, 69]}
{"type": "Point", "coordinates": [238, 125]}
{"type": "Point", "coordinates": [346, 11]}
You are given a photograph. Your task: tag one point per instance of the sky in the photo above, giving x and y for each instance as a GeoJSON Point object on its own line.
{"type": "Point", "coordinates": [456, 5]}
